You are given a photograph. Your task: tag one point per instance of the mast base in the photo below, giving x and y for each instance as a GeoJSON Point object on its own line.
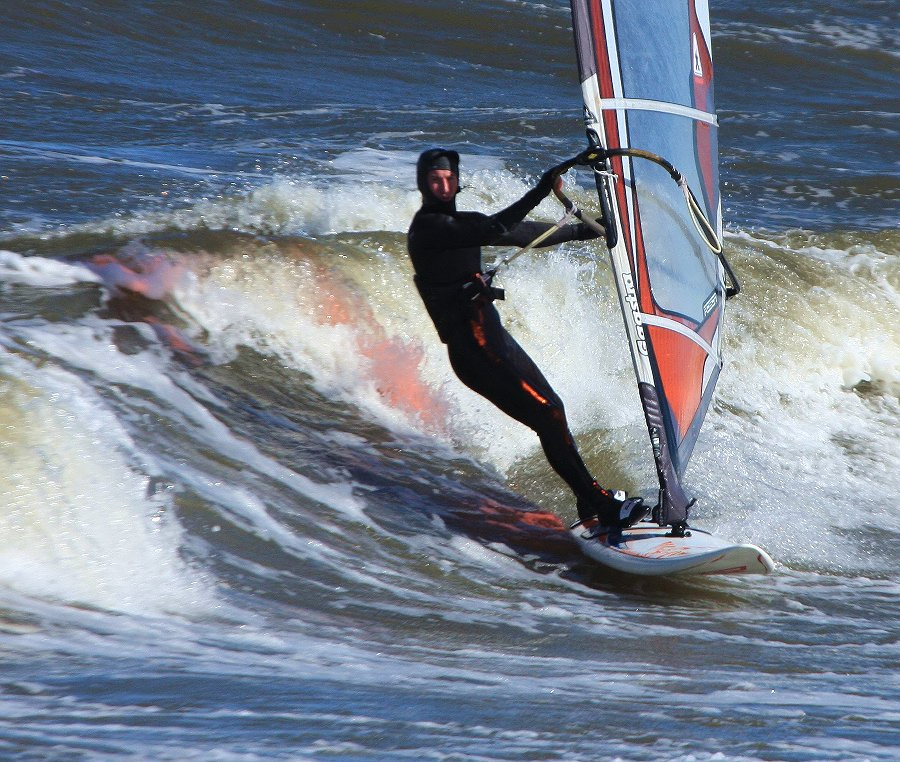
{"type": "Point", "coordinates": [680, 529]}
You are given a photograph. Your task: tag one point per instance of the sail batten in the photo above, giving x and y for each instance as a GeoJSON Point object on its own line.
{"type": "Point", "coordinates": [647, 83]}
{"type": "Point", "coordinates": [644, 104]}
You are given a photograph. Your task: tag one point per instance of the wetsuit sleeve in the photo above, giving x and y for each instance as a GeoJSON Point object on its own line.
{"type": "Point", "coordinates": [437, 229]}
{"type": "Point", "coordinates": [467, 229]}
{"type": "Point", "coordinates": [512, 217]}
{"type": "Point", "coordinates": [515, 213]}
{"type": "Point", "coordinates": [526, 231]}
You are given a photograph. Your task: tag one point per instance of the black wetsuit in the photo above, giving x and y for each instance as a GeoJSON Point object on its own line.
{"type": "Point", "coordinates": [445, 248]}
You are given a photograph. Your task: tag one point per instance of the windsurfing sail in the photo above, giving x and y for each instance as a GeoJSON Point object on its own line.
{"type": "Point", "coordinates": [647, 83]}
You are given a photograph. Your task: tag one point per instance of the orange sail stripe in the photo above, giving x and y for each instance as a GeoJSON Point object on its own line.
{"type": "Point", "coordinates": [680, 363]}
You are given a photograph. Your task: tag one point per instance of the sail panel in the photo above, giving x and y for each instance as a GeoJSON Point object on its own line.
{"type": "Point", "coordinates": [647, 82]}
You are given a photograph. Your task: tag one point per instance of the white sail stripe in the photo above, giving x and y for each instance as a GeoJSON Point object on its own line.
{"type": "Point", "coordinates": [680, 328]}
{"type": "Point", "coordinates": [702, 10]}
{"type": "Point", "coordinates": [642, 104]}
{"type": "Point", "coordinates": [612, 49]}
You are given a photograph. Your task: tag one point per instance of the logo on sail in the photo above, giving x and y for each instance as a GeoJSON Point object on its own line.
{"type": "Point", "coordinates": [640, 339]}
{"type": "Point", "coordinates": [698, 62]}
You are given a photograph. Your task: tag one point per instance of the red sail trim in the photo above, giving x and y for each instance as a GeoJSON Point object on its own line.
{"type": "Point", "coordinates": [604, 75]}
{"type": "Point", "coordinates": [609, 118]}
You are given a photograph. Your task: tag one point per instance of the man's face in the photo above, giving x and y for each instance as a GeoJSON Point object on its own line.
{"type": "Point", "coordinates": [443, 184]}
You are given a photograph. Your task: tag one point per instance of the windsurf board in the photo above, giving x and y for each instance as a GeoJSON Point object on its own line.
{"type": "Point", "coordinates": [650, 550]}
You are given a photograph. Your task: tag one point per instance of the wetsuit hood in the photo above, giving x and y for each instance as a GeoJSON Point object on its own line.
{"type": "Point", "coordinates": [435, 158]}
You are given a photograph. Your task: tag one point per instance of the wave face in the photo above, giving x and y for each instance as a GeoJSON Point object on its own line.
{"type": "Point", "coordinates": [249, 512]}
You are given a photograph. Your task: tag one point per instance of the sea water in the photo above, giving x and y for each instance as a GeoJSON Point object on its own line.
{"type": "Point", "coordinates": [249, 512]}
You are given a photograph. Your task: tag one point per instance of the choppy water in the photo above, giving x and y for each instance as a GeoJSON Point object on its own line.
{"type": "Point", "coordinates": [249, 513]}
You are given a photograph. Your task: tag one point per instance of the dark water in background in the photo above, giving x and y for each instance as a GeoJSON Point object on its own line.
{"type": "Point", "coordinates": [250, 514]}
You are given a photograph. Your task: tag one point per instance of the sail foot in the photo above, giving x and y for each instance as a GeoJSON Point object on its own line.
{"type": "Point", "coordinates": [674, 504]}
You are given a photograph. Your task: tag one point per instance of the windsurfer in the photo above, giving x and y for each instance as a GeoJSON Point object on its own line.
{"type": "Point", "coordinates": [445, 248]}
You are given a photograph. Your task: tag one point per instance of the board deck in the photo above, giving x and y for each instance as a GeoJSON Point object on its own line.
{"type": "Point", "coordinates": [650, 550]}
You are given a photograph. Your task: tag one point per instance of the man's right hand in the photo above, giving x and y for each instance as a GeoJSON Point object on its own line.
{"type": "Point", "coordinates": [551, 180]}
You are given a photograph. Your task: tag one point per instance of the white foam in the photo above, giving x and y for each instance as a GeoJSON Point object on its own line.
{"type": "Point", "coordinates": [856, 36]}
{"type": "Point", "coordinates": [799, 451]}
{"type": "Point", "coordinates": [364, 190]}
{"type": "Point", "coordinates": [41, 272]}
{"type": "Point", "coordinates": [79, 519]}
{"type": "Point", "coordinates": [89, 346]}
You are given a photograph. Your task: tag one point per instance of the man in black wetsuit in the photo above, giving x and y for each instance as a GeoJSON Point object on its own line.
{"type": "Point", "coordinates": [445, 248]}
